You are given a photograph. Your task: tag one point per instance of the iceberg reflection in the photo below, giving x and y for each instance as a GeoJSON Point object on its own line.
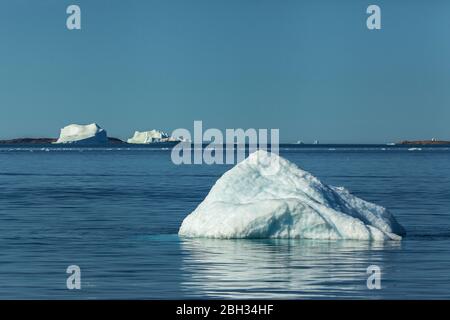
{"type": "Point", "coordinates": [242, 269]}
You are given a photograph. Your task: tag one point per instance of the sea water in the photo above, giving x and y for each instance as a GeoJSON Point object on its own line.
{"type": "Point", "coordinates": [115, 213]}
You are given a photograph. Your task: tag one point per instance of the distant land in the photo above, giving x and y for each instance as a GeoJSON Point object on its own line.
{"type": "Point", "coordinates": [424, 142]}
{"type": "Point", "coordinates": [119, 141]}
{"type": "Point", "coordinates": [47, 141]}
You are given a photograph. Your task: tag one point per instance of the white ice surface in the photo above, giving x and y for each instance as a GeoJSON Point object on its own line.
{"type": "Point", "coordinates": [91, 133]}
{"type": "Point", "coordinates": [266, 196]}
{"type": "Point", "coordinates": [149, 137]}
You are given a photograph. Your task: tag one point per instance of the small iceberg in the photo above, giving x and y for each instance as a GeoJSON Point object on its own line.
{"type": "Point", "coordinates": [152, 136]}
{"type": "Point", "coordinates": [266, 196]}
{"type": "Point", "coordinates": [83, 134]}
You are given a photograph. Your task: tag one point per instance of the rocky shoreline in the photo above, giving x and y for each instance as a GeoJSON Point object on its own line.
{"type": "Point", "coordinates": [424, 142]}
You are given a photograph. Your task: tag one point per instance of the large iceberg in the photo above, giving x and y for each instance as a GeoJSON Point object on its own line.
{"type": "Point", "coordinates": [152, 136]}
{"type": "Point", "coordinates": [266, 196]}
{"type": "Point", "coordinates": [83, 134]}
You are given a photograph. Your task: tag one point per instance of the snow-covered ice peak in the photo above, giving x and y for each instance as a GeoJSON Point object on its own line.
{"type": "Point", "coordinates": [266, 196]}
{"type": "Point", "coordinates": [86, 134]}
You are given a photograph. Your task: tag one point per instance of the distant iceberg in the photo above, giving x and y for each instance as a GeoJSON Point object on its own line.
{"type": "Point", "coordinates": [83, 134]}
{"type": "Point", "coordinates": [266, 196]}
{"type": "Point", "coordinates": [152, 136]}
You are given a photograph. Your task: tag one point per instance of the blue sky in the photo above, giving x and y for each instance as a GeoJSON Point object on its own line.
{"type": "Point", "coordinates": [310, 68]}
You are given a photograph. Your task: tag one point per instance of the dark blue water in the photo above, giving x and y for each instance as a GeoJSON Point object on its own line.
{"type": "Point", "coordinates": [115, 213]}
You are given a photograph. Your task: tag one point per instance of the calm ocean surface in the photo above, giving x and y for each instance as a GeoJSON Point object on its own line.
{"type": "Point", "coordinates": [116, 212]}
